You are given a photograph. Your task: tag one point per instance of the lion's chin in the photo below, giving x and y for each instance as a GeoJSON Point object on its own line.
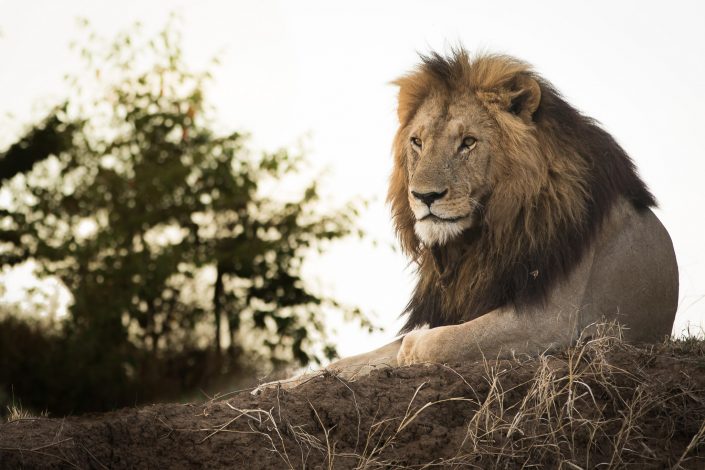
{"type": "Point", "coordinates": [434, 231]}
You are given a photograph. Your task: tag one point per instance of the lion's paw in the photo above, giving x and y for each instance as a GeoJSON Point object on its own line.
{"type": "Point", "coordinates": [409, 349]}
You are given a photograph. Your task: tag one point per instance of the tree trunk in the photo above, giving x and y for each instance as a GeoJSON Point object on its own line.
{"type": "Point", "coordinates": [218, 307]}
{"type": "Point", "coordinates": [233, 326]}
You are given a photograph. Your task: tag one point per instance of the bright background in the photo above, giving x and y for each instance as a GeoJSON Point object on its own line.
{"type": "Point", "coordinates": [318, 72]}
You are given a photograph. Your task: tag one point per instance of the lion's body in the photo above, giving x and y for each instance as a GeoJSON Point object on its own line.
{"type": "Point", "coordinates": [527, 221]}
{"type": "Point", "coordinates": [628, 275]}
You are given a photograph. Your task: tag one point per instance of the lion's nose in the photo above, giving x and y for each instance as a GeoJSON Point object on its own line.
{"type": "Point", "coordinates": [429, 198]}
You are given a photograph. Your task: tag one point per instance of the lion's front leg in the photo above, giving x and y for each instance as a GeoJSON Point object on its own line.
{"type": "Point", "coordinates": [349, 368]}
{"type": "Point", "coordinates": [497, 334]}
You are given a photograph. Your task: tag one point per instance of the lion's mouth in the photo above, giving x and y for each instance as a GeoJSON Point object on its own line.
{"type": "Point", "coordinates": [449, 220]}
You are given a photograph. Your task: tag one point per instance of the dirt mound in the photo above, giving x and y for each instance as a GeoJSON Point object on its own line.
{"type": "Point", "coordinates": [601, 404]}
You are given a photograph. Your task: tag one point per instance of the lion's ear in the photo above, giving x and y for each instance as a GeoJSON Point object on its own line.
{"type": "Point", "coordinates": [524, 97]}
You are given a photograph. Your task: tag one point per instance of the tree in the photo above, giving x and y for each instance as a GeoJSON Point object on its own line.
{"type": "Point", "coordinates": [159, 226]}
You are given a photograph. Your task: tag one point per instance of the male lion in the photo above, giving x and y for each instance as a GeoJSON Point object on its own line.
{"type": "Point", "coordinates": [527, 221]}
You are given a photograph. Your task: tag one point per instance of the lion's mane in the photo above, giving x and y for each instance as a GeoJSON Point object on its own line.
{"type": "Point", "coordinates": [553, 183]}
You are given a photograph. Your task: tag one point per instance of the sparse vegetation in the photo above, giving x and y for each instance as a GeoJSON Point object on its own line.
{"type": "Point", "coordinates": [15, 412]}
{"type": "Point", "coordinates": [601, 404]}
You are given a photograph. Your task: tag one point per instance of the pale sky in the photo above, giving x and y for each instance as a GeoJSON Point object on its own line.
{"type": "Point", "coordinates": [322, 69]}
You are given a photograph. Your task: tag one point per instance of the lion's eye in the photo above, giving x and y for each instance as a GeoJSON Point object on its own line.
{"type": "Point", "coordinates": [469, 143]}
{"type": "Point", "coordinates": [416, 142]}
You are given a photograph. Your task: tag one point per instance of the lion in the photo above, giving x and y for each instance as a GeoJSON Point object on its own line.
{"type": "Point", "coordinates": [527, 222]}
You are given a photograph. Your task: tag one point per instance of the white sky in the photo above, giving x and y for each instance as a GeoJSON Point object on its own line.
{"type": "Point", "coordinates": [322, 69]}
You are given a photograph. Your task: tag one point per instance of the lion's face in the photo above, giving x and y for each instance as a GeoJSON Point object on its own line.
{"type": "Point", "coordinates": [449, 158]}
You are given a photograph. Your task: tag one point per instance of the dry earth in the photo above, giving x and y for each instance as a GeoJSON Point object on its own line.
{"type": "Point", "coordinates": [602, 404]}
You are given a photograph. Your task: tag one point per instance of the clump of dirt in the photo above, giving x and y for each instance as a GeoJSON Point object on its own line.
{"type": "Point", "coordinates": [603, 403]}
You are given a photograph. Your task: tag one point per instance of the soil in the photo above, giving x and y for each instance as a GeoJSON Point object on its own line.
{"type": "Point", "coordinates": [639, 408]}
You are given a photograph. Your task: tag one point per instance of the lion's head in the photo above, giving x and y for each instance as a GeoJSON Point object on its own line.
{"type": "Point", "coordinates": [498, 184]}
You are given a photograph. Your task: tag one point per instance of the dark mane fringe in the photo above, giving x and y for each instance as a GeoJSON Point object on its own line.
{"type": "Point", "coordinates": [514, 259]}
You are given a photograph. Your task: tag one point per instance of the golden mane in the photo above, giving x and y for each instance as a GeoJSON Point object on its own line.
{"type": "Point", "coordinates": [553, 181]}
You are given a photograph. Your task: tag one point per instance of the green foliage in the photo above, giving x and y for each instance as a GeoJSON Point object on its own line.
{"type": "Point", "coordinates": [163, 230]}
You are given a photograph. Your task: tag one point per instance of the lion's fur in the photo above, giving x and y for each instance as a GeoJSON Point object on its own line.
{"type": "Point", "coordinates": [553, 181]}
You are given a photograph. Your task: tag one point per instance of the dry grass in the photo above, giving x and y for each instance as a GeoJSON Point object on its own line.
{"type": "Point", "coordinates": [16, 412]}
{"type": "Point", "coordinates": [575, 409]}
